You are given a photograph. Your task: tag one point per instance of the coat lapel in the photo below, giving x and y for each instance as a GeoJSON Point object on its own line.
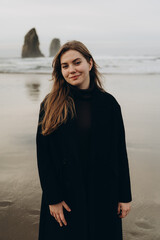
{"type": "Point", "coordinates": [98, 111]}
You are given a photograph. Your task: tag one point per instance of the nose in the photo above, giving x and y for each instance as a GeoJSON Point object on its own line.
{"type": "Point", "coordinates": [71, 69]}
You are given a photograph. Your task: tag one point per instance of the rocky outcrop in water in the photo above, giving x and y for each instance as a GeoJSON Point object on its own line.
{"type": "Point", "coordinates": [54, 47]}
{"type": "Point", "coordinates": [31, 45]}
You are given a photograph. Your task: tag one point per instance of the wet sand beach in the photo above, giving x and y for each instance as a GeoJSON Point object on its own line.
{"type": "Point", "coordinates": [20, 195]}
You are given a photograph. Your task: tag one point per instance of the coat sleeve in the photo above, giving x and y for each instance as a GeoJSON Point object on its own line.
{"type": "Point", "coordinates": [124, 184]}
{"type": "Point", "coordinates": [46, 167]}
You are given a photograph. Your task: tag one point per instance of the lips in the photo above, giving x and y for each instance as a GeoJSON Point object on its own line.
{"type": "Point", "coordinates": [76, 76]}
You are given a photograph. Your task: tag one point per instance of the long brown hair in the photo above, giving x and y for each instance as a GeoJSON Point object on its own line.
{"type": "Point", "coordinates": [58, 104]}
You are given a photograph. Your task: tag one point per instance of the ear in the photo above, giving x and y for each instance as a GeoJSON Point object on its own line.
{"type": "Point", "coordinates": [90, 64]}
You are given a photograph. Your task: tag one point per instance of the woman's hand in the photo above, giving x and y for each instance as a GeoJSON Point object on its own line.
{"type": "Point", "coordinates": [56, 210]}
{"type": "Point", "coordinates": [123, 209]}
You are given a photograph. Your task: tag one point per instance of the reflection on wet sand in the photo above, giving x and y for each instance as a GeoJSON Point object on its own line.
{"type": "Point", "coordinates": [33, 90]}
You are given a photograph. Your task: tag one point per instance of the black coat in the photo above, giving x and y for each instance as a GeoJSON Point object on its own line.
{"type": "Point", "coordinates": [61, 177]}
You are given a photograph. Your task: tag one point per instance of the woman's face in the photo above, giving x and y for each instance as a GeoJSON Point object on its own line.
{"type": "Point", "coordinates": [75, 69]}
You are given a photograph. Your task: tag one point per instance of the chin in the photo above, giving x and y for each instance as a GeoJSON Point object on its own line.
{"type": "Point", "coordinates": [76, 83]}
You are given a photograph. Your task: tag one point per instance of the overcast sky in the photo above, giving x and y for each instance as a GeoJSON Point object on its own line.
{"type": "Point", "coordinates": [105, 26]}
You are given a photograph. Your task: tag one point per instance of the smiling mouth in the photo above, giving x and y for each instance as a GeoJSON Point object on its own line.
{"type": "Point", "coordinates": [75, 76]}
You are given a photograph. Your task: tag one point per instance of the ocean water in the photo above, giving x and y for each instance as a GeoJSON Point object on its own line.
{"type": "Point", "coordinates": [145, 64]}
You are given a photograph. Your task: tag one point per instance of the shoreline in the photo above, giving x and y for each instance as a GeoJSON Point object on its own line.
{"type": "Point", "coordinates": [106, 74]}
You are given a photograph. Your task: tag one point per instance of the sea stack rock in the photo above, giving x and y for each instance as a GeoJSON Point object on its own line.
{"type": "Point", "coordinates": [31, 45]}
{"type": "Point", "coordinates": [54, 47]}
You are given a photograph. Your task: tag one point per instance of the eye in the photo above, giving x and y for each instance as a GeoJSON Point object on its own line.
{"type": "Point", "coordinates": [77, 63]}
{"type": "Point", "coordinates": [64, 66]}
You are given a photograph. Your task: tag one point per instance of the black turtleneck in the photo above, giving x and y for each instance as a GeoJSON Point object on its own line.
{"type": "Point", "coordinates": [82, 99]}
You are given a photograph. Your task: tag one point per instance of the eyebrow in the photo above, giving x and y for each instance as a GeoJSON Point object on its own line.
{"type": "Point", "coordinates": [72, 61]}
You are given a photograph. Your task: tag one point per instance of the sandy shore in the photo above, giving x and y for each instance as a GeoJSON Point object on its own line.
{"type": "Point", "coordinates": [20, 96]}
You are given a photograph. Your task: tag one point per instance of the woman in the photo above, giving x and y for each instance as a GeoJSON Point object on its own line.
{"type": "Point", "coordinates": [81, 153]}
